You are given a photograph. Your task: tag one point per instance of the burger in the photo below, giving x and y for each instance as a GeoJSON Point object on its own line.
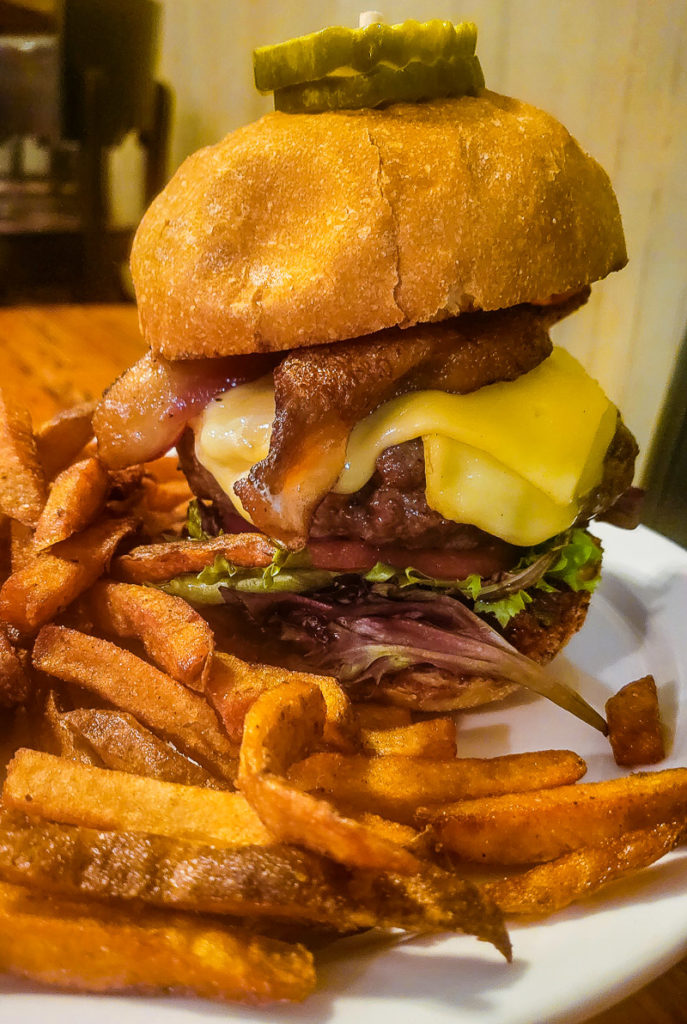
{"type": "Point", "coordinates": [348, 315]}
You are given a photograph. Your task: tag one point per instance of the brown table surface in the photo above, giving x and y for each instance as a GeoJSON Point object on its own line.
{"type": "Point", "coordinates": [53, 356]}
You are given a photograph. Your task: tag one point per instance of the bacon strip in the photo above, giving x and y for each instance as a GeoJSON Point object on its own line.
{"type": "Point", "coordinates": [145, 411]}
{"type": "Point", "coordinates": [322, 392]}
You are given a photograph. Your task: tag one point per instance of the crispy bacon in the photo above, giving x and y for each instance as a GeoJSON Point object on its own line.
{"type": "Point", "coordinates": [322, 392]}
{"type": "Point", "coordinates": [145, 411]}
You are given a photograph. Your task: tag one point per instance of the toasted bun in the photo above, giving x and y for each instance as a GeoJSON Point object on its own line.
{"type": "Point", "coordinates": [301, 229]}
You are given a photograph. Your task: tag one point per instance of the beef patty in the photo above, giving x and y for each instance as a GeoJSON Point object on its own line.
{"type": "Point", "coordinates": [393, 505]}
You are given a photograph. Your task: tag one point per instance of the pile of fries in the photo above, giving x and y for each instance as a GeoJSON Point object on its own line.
{"type": "Point", "coordinates": [176, 819]}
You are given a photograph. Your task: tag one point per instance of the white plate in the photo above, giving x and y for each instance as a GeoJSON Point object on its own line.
{"type": "Point", "coordinates": [564, 970]}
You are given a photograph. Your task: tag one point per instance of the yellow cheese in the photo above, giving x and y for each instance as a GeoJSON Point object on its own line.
{"type": "Point", "coordinates": [458, 479]}
{"type": "Point", "coordinates": [543, 426]}
{"type": "Point", "coordinates": [233, 433]}
{"type": "Point", "coordinates": [513, 458]}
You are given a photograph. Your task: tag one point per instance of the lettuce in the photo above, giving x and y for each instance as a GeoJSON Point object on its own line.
{"type": "Point", "coordinates": [573, 558]}
{"type": "Point", "coordinates": [288, 572]}
{"type": "Point", "coordinates": [361, 637]}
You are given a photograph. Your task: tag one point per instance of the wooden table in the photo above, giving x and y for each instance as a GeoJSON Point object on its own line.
{"type": "Point", "coordinates": [51, 357]}
{"type": "Point", "coordinates": [54, 356]}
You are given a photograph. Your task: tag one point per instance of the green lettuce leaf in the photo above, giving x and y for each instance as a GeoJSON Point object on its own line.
{"type": "Point", "coordinates": [572, 558]}
{"type": "Point", "coordinates": [579, 562]}
{"type": "Point", "coordinates": [288, 571]}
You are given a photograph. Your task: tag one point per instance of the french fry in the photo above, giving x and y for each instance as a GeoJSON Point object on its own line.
{"type": "Point", "coordinates": [527, 828]}
{"type": "Point", "coordinates": [393, 831]}
{"type": "Point", "coordinates": [165, 470]}
{"type": "Point", "coordinates": [5, 547]}
{"type": "Point", "coordinates": [86, 947]}
{"type": "Point", "coordinates": [634, 724]}
{"type": "Point", "coordinates": [131, 684]}
{"type": "Point", "coordinates": [163, 500]}
{"type": "Point", "coordinates": [395, 786]}
{"type": "Point", "coordinates": [75, 499]}
{"type": "Point", "coordinates": [15, 684]}
{"type": "Point", "coordinates": [46, 786]}
{"type": "Point", "coordinates": [21, 545]}
{"type": "Point", "coordinates": [234, 685]}
{"type": "Point", "coordinates": [380, 716]}
{"type": "Point", "coordinates": [155, 563]}
{"type": "Point", "coordinates": [175, 637]}
{"type": "Point", "coordinates": [162, 524]}
{"type": "Point", "coordinates": [22, 483]}
{"type": "Point", "coordinates": [59, 440]}
{"type": "Point", "coordinates": [550, 887]}
{"type": "Point", "coordinates": [281, 726]}
{"type": "Point", "coordinates": [166, 495]}
{"type": "Point", "coordinates": [49, 582]}
{"type": "Point", "coordinates": [63, 741]}
{"type": "Point", "coordinates": [430, 738]}
{"type": "Point", "coordinates": [119, 741]}
{"type": "Point", "coordinates": [281, 882]}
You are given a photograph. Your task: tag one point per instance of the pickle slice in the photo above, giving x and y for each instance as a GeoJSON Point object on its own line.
{"type": "Point", "coordinates": [344, 51]}
{"type": "Point", "coordinates": [461, 76]}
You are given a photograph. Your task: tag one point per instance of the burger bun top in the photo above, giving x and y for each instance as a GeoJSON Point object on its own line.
{"type": "Point", "coordinates": [301, 229]}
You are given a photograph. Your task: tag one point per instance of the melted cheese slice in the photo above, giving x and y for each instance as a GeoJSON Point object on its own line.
{"type": "Point", "coordinates": [233, 433]}
{"type": "Point", "coordinates": [513, 458]}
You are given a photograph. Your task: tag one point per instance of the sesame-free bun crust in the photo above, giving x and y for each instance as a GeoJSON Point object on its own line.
{"type": "Point", "coordinates": [300, 229]}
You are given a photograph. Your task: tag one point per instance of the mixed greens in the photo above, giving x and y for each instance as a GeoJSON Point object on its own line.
{"type": "Point", "coordinates": [572, 558]}
{"type": "Point", "coordinates": [362, 627]}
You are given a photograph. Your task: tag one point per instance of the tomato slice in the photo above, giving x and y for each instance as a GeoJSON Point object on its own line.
{"type": "Point", "coordinates": [357, 556]}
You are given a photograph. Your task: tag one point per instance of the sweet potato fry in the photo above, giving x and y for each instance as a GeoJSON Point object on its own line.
{"type": "Point", "coordinates": [48, 583]}
{"type": "Point", "coordinates": [634, 724]}
{"type": "Point", "coordinates": [526, 828]}
{"type": "Point", "coordinates": [46, 786]}
{"type": "Point", "coordinates": [395, 786]}
{"type": "Point", "coordinates": [174, 636]}
{"type": "Point", "coordinates": [155, 563]}
{"type": "Point", "coordinates": [59, 440]}
{"type": "Point", "coordinates": [281, 882]}
{"type": "Point", "coordinates": [234, 686]}
{"type": "Point", "coordinates": [22, 484]}
{"type": "Point", "coordinates": [131, 684]}
{"type": "Point", "coordinates": [430, 738]}
{"type": "Point", "coordinates": [550, 887]}
{"type": "Point", "coordinates": [75, 499]}
{"type": "Point", "coordinates": [15, 684]}
{"type": "Point", "coordinates": [282, 725]}
{"type": "Point", "coordinates": [87, 947]}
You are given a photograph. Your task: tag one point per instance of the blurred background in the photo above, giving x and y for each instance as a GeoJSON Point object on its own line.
{"type": "Point", "coordinates": [100, 100]}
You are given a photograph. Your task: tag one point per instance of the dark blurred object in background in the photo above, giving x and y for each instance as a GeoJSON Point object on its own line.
{"type": "Point", "coordinates": [665, 503]}
{"type": "Point", "coordinates": [76, 77]}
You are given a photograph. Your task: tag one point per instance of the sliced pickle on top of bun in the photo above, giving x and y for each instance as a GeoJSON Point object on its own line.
{"type": "Point", "coordinates": [452, 76]}
{"type": "Point", "coordinates": [341, 51]}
